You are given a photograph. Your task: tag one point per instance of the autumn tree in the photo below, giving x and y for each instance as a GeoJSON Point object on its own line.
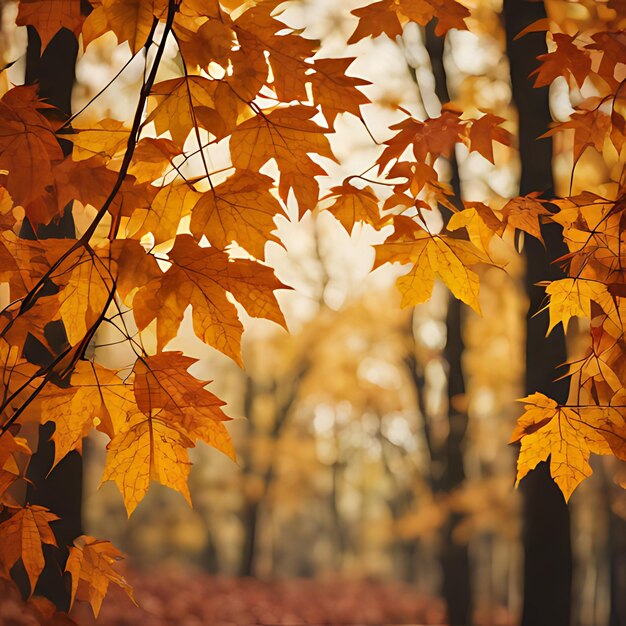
{"type": "Point", "coordinates": [546, 531]}
{"type": "Point", "coordinates": [173, 208]}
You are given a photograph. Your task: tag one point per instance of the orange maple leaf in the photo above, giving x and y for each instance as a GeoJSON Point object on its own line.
{"type": "Point", "coordinates": [90, 564]}
{"type": "Point", "coordinates": [200, 277]}
{"type": "Point", "coordinates": [566, 59]}
{"type": "Point", "coordinates": [351, 205]}
{"type": "Point", "coordinates": [524, 213]}
{"type": "Point", "coordinates": [163, 382]}
{"type": "Point", "coordinates": [240, 209]}
{"type": "Point", "coordinates": [21, 537]}
{"type": "Point", "coordinates": [49, 16]}
{"type": "Point", "coordinates": [287, 135]}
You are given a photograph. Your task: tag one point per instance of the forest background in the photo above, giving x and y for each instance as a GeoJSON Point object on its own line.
{"type": "Point", "coordinates": [372, 438]}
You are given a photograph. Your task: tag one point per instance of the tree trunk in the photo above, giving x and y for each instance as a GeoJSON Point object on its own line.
{"type": "Point", "coordinates": [546, 525]}
{"type": "Point", "coordinates": [60, 489]}
{"type": "Point", "coordinates": [455, 561]}
{"type": "Point", "coordinates": [250, 517]}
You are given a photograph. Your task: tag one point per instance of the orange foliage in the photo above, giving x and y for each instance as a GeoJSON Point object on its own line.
{"type": "Point", "coordinates": [249, 80]}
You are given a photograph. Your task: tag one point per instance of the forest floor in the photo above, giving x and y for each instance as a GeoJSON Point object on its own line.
{"type": "Point", "coordinates": [171, 598]}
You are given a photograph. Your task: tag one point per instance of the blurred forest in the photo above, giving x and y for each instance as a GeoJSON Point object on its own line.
{"type": "Point", "coordinates": [372, 440]}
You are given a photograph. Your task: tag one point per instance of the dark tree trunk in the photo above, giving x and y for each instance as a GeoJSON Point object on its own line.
{"type": "Point", "coordinates": [546, 525]}
{"type": "Point", "coordinates": [250, 517]}
{"type": "Point", "coordinates": [455, 562]}
{"type": "Point", "coordinates": [60, 489]}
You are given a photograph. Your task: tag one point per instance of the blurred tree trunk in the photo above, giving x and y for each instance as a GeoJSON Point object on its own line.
{"type": "Point", "coordinates": [249, 519]}
{"type": "Point", "coordinates": [617, 558]}
{"type": "Point", "coordinates": [284, 392]}
{"type": "Point", "coordinates": [546, 525]}
{"type": "Point", "coordinates": [60, 489]}
{"type": "Point", "coordinates": [449, 466]}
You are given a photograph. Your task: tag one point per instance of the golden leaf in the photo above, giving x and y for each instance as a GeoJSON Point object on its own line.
{"type": "Point", "coordinates": [91, 562]}
{"type": "Point", "coordinates": [21, 537]}
{"type": "Point", "coordinates": [568, 435]}
{"type": "Point", "coordinates": [240, 209]}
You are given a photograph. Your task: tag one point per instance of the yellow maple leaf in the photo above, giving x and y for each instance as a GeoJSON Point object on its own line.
{"type": "Point", "coordinates": [433, 256]}
{"type": "Point", "coordinates": [186, 102]}
{"type": "Point", "coordinates": [9, 468]}
{"type": "Point", "coordinates": [171, 203]}
{"type": "Point", "coordinates": [21, 537]}
{"type": "Point", "coordinates": [572, 297]}
{"type": "Point", "coordinates": [107, 138]}
{"type": "Point", "coordinates": [568, 435]}
{"type": "Point", "coordinates": [131, 20]}
{"type": "Point", "coordinates": [151, 158]}
{"type": "Point", "coordinates": [479, 221]}
{"type": "Point", "coordinates": [84, 296]}
{"type": "Point", "coordinates": [96, 398]}
{"type": "Point", "coordinates": [91, 562]}
{"type": "Point", "coordinates": [148, 448]}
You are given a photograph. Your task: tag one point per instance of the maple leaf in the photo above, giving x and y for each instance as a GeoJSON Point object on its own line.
{"type": "Point", "coordinates": [163, 215]}
{"type": "Point", "coordinates": [436, 136]}
{"type": "Point", "coordinates": [240, 209]}
{"type": "Point", "coordinates": [84, 296]}
{"type": "Point", "coordinates": [96, 398]}
{"type": "Point", "coordinates": [21, 537]}
{"type": "Point", "coordinates": [19, 261]}
{"type": "Point", "coordinates": [388, 16]}
{"type": "Point", "coordinates": [570, 297]}
{"type": "Point", "coordinates": [107, 138]}
{"type": "Point", "coordinates": [480, 222]}
{"type": "Point", "coordinates": [148, 448]}
{"type": "Point", "coordinates": [484, 131]}
{"type": "Point", "coordinates": [9, 468]}
{"type": "Point", "coordinates": [151, 158]}
{"type": "Point", "coordinates": [185, 103]}
{"type": "Point", "coordinates": [163, 382]}
{"type": "Point", "coordinates": [376, 19]}
{"type": "Point", "coordinates": [352, 205]}
{"type": "Point", "coordinates": [524, 213]}
{"type": "Point", "coordinates": [287, 135]}
{"type": "Point", "coordinates": [132, 266]}
{"type": "Point", "coordinates": [450, 14]}
{"type": "Point", "coordinates": [421, 179]}
{"type": "Point", "coordinates": [568, 435]}
{"type": "Point", "coordinates": [20, 376]}
{"type": "Point", "coordinates": [28, 145]}
{"type": "Point", "coordinates": [433, 256]}
{"type": "Point", "coordinates": [211, 42]}
{"type": "Point", "coordinates": [257, 31]}
{"type": "Point", "coordinates": [131, 20]}
{"type": "Point", "coordinates": [91, 562]}
{"type": "Point", "coordinates": [612, 45]}
{"type": "Point", "coordinates": [590, 130]}
{"type": "Point", "coordinates": [49, 16]}
{"type": "Point", "coordinates": [200, 277]}
{"type": "Point", "coordinates": [567, 58]}
{"type": "Point", "coordinates": [336, 92]}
